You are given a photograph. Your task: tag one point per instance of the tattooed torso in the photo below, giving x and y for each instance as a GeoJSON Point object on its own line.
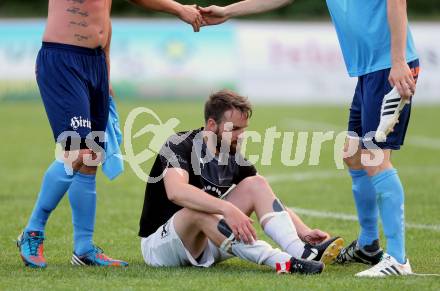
{"type": "Point", "coordinates": [78, 22]}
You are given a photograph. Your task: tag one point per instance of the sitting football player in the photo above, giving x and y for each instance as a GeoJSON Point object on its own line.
{"type": "Point", "coordinates": [202, 192]}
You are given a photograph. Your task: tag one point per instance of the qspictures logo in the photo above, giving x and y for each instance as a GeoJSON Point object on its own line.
{"type": "Point", "coordinates": [164, 139]}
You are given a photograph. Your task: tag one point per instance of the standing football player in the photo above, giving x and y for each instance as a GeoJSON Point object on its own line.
{"type": "Point", "coordinates": [378, 49]}
{"type": "Point", "coordinates": [73, 77]}
{"type": "Point", "coordinates": [201, 193]}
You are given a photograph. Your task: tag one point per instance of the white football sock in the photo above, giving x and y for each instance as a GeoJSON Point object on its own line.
{"type": "Point", "coordinates": [281, 230]}
{"type": "Point", "coordinates": [260, 252]}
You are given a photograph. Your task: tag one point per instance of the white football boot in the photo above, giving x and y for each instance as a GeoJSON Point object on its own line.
{"type": "Point", "coordinates": [392, 105]}
{"type": "Point", "coordinates": [388, 266]}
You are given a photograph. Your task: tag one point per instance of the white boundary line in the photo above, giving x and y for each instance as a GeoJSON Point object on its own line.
{"type": "Point", "coordinates": [302, 124]}
{"type": "Point", "coordinates": [350, 217]}
{"type": "Point", "coordinates": [425, 275]}
{"type": "Point", "coordinates": [332, 174]}
{"type": "Point", "coordinates": [300, 175]}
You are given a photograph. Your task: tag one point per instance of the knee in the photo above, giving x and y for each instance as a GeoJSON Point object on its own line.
{"type": "Point", "coordinates": [353, 162]}
{"type": "Point", "coordinates": [193, 217]}
{"type": "Point", "coordinates": [85, 159]}
{"type": "Point", "coordinates": [374, 170]}
{"type": "Point", "coordinates": [256, 184]}
{"type": "Point", "coordinates": [351, 154]}
{"type": "Point", "coordinates": [376, 161]}
{"type": "Point", "coordinates": [77, 157]}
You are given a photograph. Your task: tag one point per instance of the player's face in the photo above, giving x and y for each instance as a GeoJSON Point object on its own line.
{"type": "Point", "coordinates": [232, 126]}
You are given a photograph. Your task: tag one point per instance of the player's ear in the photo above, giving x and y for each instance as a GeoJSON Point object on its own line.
{"type": "Point", "coordinates": [211, 124]}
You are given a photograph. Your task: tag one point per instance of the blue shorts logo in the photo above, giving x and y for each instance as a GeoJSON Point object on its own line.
{"type": "Point", "coordinates": [77, 122]}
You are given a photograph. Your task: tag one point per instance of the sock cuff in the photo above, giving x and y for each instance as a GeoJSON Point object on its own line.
{"type": "Point", "coordinates": [379, 177]}
{"type": "Point", "coordinates": [357, 173]}
{"type": "Point", "coordinates": [270, 216]}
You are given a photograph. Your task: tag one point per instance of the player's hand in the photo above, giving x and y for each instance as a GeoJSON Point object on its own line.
{"type": "Point", "coordinates": [240, 224]}
{"type": "Point", "coordinates": [401, 77]}
{"type": "Point", "coordinates": [213, 15]}
{"type": "Point", "coordinates": [315, 236]}
{"type": "Point", "coordinates": [192, 16]}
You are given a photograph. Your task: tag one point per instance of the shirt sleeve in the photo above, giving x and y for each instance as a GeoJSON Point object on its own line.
{"type": "Point", "coordinates": [244, 172]}
{"type": "Point", "coordinates": [176, 153]}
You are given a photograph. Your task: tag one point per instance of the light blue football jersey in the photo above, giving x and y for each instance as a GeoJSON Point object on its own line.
{"type": "Point", "coordinates": [364, 35]}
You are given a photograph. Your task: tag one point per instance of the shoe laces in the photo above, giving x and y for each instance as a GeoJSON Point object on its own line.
{"type": "Point", "coordinates": [297, 265]}
{"type": "Point", "coordinates": [34, 242]}
{"type": "Point", "coordinates": [97, 250]}
{"type": "Point", "coordinates": [347, 253]}
{"type": "Point", "coordinates": [99, 253]}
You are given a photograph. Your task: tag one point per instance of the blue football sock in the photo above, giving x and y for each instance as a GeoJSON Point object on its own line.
{"type": "Point", "coordinates": [82, 197]}
{"type": "Point", "coordinates": [53, 187]}
{"type": "Point", "coordinates": [366, 205]}
{"type": "Point", "coordinates": [391, 205]}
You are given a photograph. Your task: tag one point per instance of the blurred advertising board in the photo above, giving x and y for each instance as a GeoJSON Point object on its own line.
{"type": "Point", "coordinates": [293, 62]}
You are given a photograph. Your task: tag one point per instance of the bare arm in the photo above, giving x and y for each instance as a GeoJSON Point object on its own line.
{"type": "Point", "coordinates": [187, 13]}
{"type": "Point", "coordinates": [400, 75]}
{"type": "Point", "coordinates": [180, 192]}
{"type": "Point", "coordinates": [248, 7]}
{"type": "Point", "coordinates": [167, 6]}
{"type": "Point", "coordinates": [213, 15]}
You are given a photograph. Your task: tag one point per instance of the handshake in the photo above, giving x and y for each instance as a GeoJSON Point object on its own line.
{"type": "Point", "coordinates": [202, 16]}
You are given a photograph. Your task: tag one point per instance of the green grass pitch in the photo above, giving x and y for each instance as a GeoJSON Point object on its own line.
{"type": "Point", "coordinates": [27, 149]}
